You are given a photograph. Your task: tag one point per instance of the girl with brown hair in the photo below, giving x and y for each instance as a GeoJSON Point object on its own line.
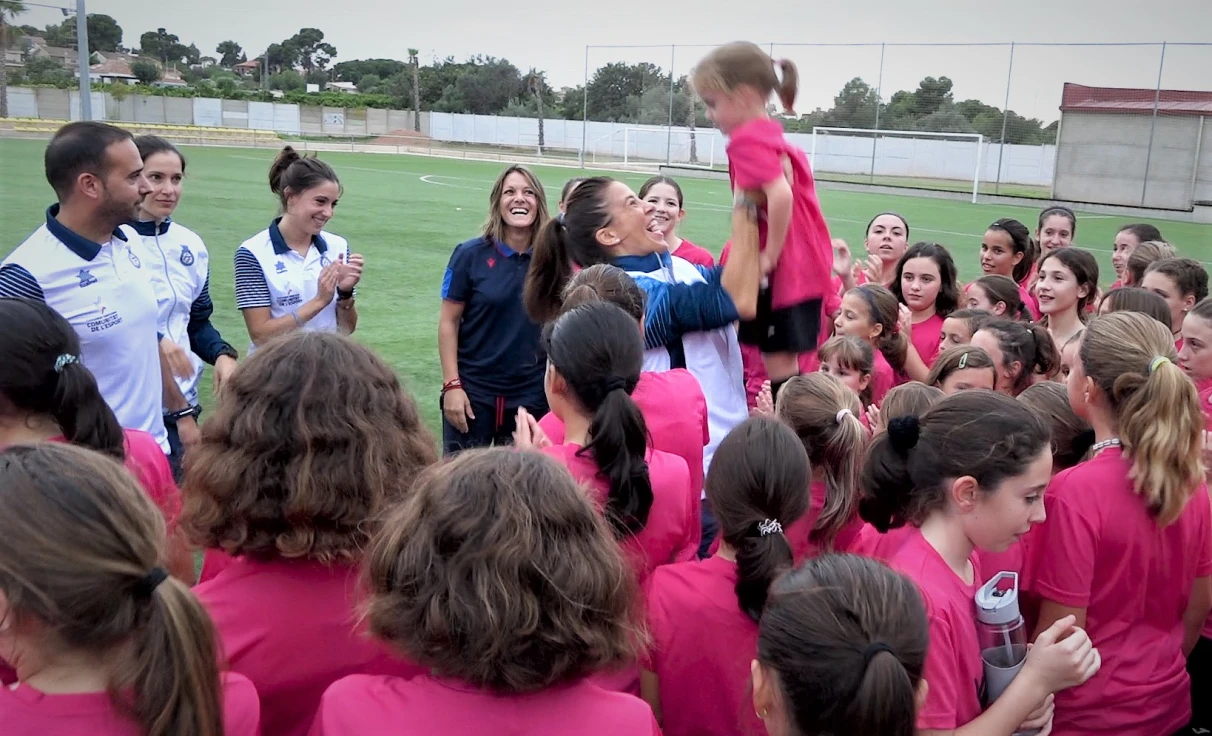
{"type": "Point", "coordinates": [872, 313]}
{"type": "Point", "coordinates": [1021, 351]}
{"type": "Point", "coordinates": [961, 369]}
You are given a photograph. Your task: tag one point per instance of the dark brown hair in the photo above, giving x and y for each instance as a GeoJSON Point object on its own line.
{"type": "Point", "coordinates": [494, 226]}
{"type": "Point", "coordinates": [292, 174]}
{"type": "Point", "coordinates": [497, 570]}
{"type": "Point", "coordinates": [1142, 232]}
{"type": "Point", "coordinates": [1020, 238]}
{"type": "Point", "coordinates": [974, 318]}
{"type": "Point", "coordinates": [883, 309]}
{"type": "Point", "coordinates": [1003, 289]}
{"type": "Point", "coordinates": [742, 63]}
{"type": "Point", "coordinates": [79, 148]}
{"type": "Point", "coordinates": [1061, 211]}
{"type": "Point", "coordinates": [817, 407]}
{"type": "Point", "coordinates": [1072, 437]}
{"type": "Point", "coordinates": [949, 290]}
{"type": "Point", "coordinates": [981, 434]}
{"type": "Point", "coordinates": [569, 185]}
{"type": "Point", "coordinates": [661, 179]}
{"type": "Point", "coordinates": [1027, 344]}
{"type": "Point", "coordinates": [1136, 299]}
{"type": "Point", "coordinates": [1084, 268]}
{"type": "Point", "coordinates": [852, 353]}
{"type": "Point", "coordinates": [150, 145]}
{"type": "Point", "coordinates": [847, 638]}
{"type": "Point", "coordinates": [761, 477]}
{"type": "Point", "coordinates": [911, 399]}
{"type": "Point", "coordinates": [312, 435]}
{"type": "Point", "coordinates": [958, 358]}
{"type": "Point", "coordinates": [1187, 274]}
{"type": "Point", "coordinates": [607, 283]}
{"type": "Point", "coordinates": [1143, 255]}
{"type": "Point", "coordinates": [81, 549]}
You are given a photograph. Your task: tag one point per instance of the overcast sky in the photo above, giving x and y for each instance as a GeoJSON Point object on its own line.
{"type": "Point", "coordinates": [552, 35]}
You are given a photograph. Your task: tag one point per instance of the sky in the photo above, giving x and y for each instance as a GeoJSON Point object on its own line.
{"type": "Point", "coordinates": [553, 36]}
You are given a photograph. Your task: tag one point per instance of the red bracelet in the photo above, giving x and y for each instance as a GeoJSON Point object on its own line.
{"type": "Point", "coordinates": [451, 385]}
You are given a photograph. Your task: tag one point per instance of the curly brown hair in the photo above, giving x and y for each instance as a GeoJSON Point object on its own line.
{"type": "Point", "coordinates": [312, 436]}
{"type": "Point", "coordinates": [497, 570]}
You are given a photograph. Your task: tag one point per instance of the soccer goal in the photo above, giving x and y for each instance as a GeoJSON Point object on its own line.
{"type": "Point", "coordinates": [907, 158]}
{"type": "Point", "coordinates": [651, 147]}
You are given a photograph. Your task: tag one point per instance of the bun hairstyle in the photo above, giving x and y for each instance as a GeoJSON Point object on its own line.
{"type": "Point", "coordinates": [41, 373]}
{"type": "Point", "coordinates": [599, 352]}
{"type": "Point", "coordinates": [608, 284]}
{"type": "Point", "coordinates": [1027, 344]}
{"type": "Point", "coordinates": [1131, 358]}
{"type": "Point", "coordinates": [1022, 242]}
{"type": "Point", "coordinates": [1187, 274]}
{"type": "Point", "coordinates": [1072, 436]}
{"type": "Point", "coordinates": [884, 309]}
{"type": "Point", "coordinates": [292, 174]}
{"type": "Point", "coordinates": [949, 290]}
{"type": "Point", "coordinates": [953, 360]}
{"type": "Point", "coordinates": [1136, 299]}
{"type": "Point", "coordinates": [853, 354]}
{"type": "Point", "coordinates": [742, 63]}
{"type": "Point", "coordinates": [847, 638]}
{"type": "Point", "coordinates": [1003, 289]}
{"type": "Point", "coordinates": [818, 408]}
{"type": "Point", "coordinates": [1084, 268]}
{"type": "Point", "coordinates": [1142, 256]}
{"type": "Point", "coordinates": [109, 597]}
{"type": "Point", "coordinates": [981, 434]}
{"type": "Point", "coordinates": [757, 486]}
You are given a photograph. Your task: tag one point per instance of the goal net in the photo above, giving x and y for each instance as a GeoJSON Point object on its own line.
{"type": "Point", "coordinates": [903, 158]}
{"type": "Point", "coordinates": [651, 147]}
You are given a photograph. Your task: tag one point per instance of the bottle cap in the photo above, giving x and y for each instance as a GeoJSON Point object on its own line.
{"type": "Point", "coordinates": [997, 600]}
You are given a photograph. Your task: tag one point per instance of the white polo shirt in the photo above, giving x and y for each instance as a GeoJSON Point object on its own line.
{"type": "Point", "coordinates": [270, 274]}
{"type": "Point", "coordinates": [105, 293]}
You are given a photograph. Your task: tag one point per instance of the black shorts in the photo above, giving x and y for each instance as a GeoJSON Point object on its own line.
{"type": "Point", "coordinates": [793, 329]}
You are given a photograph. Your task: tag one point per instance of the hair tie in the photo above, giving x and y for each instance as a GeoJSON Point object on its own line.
{"type": "Point", "coordinates": [873, 649]}
{"type": "Point", "coordinates": [64, 360]}
{"type": "Point", "coordinates": [560, 219]}
{"type": "Point", "coordinates": [767, 527]}
{"type": "Point", "coordinates": [1159, 360]}
{"type": "Point", "coordinates": [149, 582]}
{"type": "Point", "coordinates": [1084, 440]}
{"type": "Point", "coordinates": [963, 362]}
{"type": "Point", "coordinates": [614, 383]}
{"type": "Point", "coordinates": [841, 415]}
{"type": "Point", "coordinates": [903, 433]}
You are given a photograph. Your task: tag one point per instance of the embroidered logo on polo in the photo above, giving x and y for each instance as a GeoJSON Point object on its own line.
{"type": "Point", "coordinates": [187, 258]}
{"type": "Point", "coordinates": [86, 278]}
{"type": "Point", "coordinates": [280, 267]}
{"type": "Point", "coordinates": [106, 321]}
{"type": "Point", "coordinates": [134, 259]}
{"type": "Point", "coordinates": [324, 260]}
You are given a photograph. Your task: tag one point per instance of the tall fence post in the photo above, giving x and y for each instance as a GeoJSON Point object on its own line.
{"type": "Point", "coordinates": [86, 87]}
{"type": "Point", "coordinates": [879, 97]}
{"type": "Point", "coordinates": [673, 51]}
{"type": "Point", "coordinates": [1161, 66]}
{"type": "Point", "coordinates": [585, 108]}
{"type": "Point", "coordinates": [1001, 148]}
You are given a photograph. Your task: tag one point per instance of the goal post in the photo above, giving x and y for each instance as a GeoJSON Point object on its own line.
{"type": "Point", "coordinates": [650, 147]}
{"type": "Point", "coordinates": [907, 158]}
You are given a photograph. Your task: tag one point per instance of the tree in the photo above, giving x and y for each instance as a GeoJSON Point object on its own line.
{"type": "Point", "coordinates": [192, 55]}
{"type": "Point", "coordinates": [416, 89]}
{"type": "Point", "coordinates": [230, 54]}
{"type": "Point", "coordinates": [536, 83]}
{"type": "Point", "coordinates": [615, 90]}
{"type": "Point", "coordinates": [854, 106]}
{"type": "Point", "coordinates": [104, 33]}
{"type": "Point", "coordinates": [369, 83]}
{"type": "Point", "coordinates": [287, 81]}
{"type": "Point", "coordinates": [146, 71]}
{"type": "Point", "coordinates": [317, 76]}
{"type": "Point", "coordinates": [9, 10]}
{"type": "Point", "coordinates": [162, 45]}
{"type": "Point", "coordinates": [281, 56]}
{"type": "Point", "coordinates": [44, 70]}
{"type": "Point", "coordinates": [353, 71]}
{"type": "Point", "coordinates": [312, 52]}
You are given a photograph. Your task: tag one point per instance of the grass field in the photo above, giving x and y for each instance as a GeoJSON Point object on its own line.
{"type": "Point", "coordinates": [406, 214]}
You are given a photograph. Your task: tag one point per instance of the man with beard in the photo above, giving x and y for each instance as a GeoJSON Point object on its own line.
{"type": "Point", "coordinates": [86, 265]}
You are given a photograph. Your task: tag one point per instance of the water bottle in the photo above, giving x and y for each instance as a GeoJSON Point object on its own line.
{"type": "Point", "coordinates": [1002, 634]}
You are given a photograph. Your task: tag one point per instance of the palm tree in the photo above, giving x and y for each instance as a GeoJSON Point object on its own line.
{"type": "Point", "coordinates": [9, 10]}
{"type": "Point", "coordinates": [534, 82]}
{"type": "Point", "coordinates": [416, 89]}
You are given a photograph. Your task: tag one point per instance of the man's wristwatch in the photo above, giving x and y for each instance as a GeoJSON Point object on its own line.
{"type": "Point", "coordinates": [343, 295]}
{"type": "Point", "coordinates": [192, 412]}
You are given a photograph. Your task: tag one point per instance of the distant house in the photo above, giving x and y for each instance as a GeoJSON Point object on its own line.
{"type": "Point", "coordinates": [35, 46]}
{"type": "Point", "coordinates": [245, 68]}
{"type": "Point", "coordinates": [342, 86]}
{"type": "Point", "coordinates": [117, 69]}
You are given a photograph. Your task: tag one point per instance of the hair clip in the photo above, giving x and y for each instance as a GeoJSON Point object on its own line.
{"type": "Point", "coordinates": [64, 360]}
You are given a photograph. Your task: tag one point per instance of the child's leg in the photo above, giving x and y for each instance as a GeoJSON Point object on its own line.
{"type": "Point", "coordinates": [781, 367]}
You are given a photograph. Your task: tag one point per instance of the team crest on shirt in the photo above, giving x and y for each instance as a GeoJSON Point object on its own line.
{"type": "Point", "coordinates": [280, 267]}
{"type": "Point", "coordinates": [134, 259]}
{"type": "Point", "coordinates": [187, 258]}
{"type": "Point", "coordinates": [86, 278]}
{"type": "Point", "coordinates": [324, 261]}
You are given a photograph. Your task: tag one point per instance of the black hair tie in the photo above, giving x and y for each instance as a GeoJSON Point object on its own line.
{"type": "Point", "coordinates": [903, 433]}
{"type": "Point", "coordinates": [1084, 440]}
{"type": "Point", "coordinates": [149, 582]}
{"type": "Point", "coordinates": [614, 383]}
{"type": "Point", "coordinates": [873, 649]}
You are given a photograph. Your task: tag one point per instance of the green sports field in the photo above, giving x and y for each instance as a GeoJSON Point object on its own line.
{"type": "Point", "coordinates": [406, 214]}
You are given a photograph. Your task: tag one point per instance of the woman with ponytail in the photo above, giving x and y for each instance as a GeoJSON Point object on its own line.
{"type": "Point", "coordinates": [703, 615]}
{"type": "Point", "coordinates": [970, 474]}
{"type": "Point", "coordinates": [46, 393]}
{"type": "Point", "coordinates": [103, 640]}
{"type": "Point", "coordinates": [1131, 561]}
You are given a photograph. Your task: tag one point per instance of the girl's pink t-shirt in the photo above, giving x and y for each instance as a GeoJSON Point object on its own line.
{"type": "Point", "coordinates": [799, 531]}
{"type": "Point", "coordinates": [926, 337]}
{"type": "Point", "coordinates": [426, 706]}
{"type": "Point", "coordinates": [292, 628]}
{"type": "Point", "coordinates": [953, 662]}
{"type": "Point", "coordinates": [675, 411]}
{"type": "Point", "coordinates": [148, 463]}
{"type": "Point", "coordinates": [883, 378]}
{"type": "Point", "coordinates": [25, 711]}
{"type": "Point", "coordinates": [702, 646]}
{"type": "Point", "coordinates": [1101, 551]}
{"type": "Point", "coordinates": [756, 154]}
{"type": "Point", "coordinates": [688, 251]}
{"type": "Point", "coordinates": [671, 534]}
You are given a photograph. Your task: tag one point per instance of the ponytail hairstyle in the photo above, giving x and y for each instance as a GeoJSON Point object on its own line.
{"type": "Point", "coordinates": [1022, 242]}
{"type": "Point", "coordinates": [1084, 268]}
{"type": "Point", "coordinates": [846, 637]}
{"type": "Point", "coordinates": [884, 309]}
{"type": "Point", "coordinates": [1027, 344]}
{"type": "Point", "coordinates": [608, 284]}
{"type": "Point", "coordinates": [1142, 256]}
{"type": "Point", "coordinates": [741, 63]}
{"type": "Point", "coordinates": [853, 354]}
{"type": "Point", "coordinates": [1131, 358]}
{"type": "Point", "coordinates": [564, 242]}
{"type": "Point", "coordinates": [818, 408]}
{"type": "Point", "coordinates": [1003, 289]}
{"type": "Point", "coordinates": [1142, 232]}
{"type": "Point", "coordinates": [1136, 299]}
{"type": "Point", "coordinates": [981, 434]}
{"type": "Point", "coordinates": [110, 596]}
{"type": "Point", "coordinates": [953, 360]}
{"type": "Point", "coordinates": [1072, 436]}
{"type": "Point", "coordinates": [911, 399]}
{"type": "Point", "coordinates": [291, 174]}
{"type": "Point", "coordinates": [596, 348]}
{"type": "Point", "coordinates": [949, 290]}
{"type": "Point", "coordinates": [758, 488]}
{"type": "Point", "coordinates": [1187, 274]}
{"type": "Point", "coordinates": [41, 373]}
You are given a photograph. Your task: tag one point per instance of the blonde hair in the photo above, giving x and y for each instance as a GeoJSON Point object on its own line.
{"type": "Point", "coordinates": [911, 399]}
{"type": "Point", "coordinates": [742, 63]}
{"type": "Point", "coordinates": [1142, 256]}
{"type": "Point", "coordinates": [821, 411]}
{"type": "Point", "coordinates": [1131, 358]}
{"type": "Point", "coordinates": [494, 226]}
{"type": "Point", "coordinates": [854, 354]}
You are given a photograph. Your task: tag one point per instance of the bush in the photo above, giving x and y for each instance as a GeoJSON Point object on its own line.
{"type": "Point", "coordinates": [147, 72]}
{"type": "Point", "coordinates": [287, 81]}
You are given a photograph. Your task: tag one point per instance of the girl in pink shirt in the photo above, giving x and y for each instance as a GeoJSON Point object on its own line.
{"type": "Point", "coordinates": [1181, 282]}
{"type": "Point", "coordinates": [312, 436]}
{"type": "Point", "coordinates": [968, 475]}
{"type": "Point", "coordinates": [103, 640]}
{"type": "Point", "coordinates": [999, 296]}
{"type": "Point", "coordinates": [1127, 547]}
{"type": "Point", "coordinates": [821, 412]}
{"type": "Point", "coordinates": [841, 650]}
{"type": "Point", "coordinates": [1023, 353]}
{"type": "Point", "coordinates": [664, 194]}
{"type": "Point", "coordinates": [735, 82]}
{"type": "Point", "coordinates": [496, 575]}
{"type": "Point", "coordinates": [887, 239]}
{"type": "Point", "coordinates": [1066, 287]}
{"type": "Point", "coordinates": [960, 326]}
{"type": "Point", "coordinates": [962, 368]}
{"type": "Point", "coordinates": [926, 281]}
{"type": "Point", "coordinates": [703, 615]}
{"type": "Point", "coordinates": [872, 313]}
{"type": "Point", "coordinates": [1008, 250]}
{"type": "Point", "coordinates": [1126, 240]}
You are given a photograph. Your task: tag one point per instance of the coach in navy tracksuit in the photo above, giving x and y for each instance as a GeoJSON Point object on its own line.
{"type": "Point", "coordinates": [491, 352]}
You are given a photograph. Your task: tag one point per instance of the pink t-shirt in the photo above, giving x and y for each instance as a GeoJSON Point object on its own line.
{"type": "Point", "coordinates": [756, 154]}
{"type": "Point", "coordinates": [1029, 301]}
{"type": "Point", "coordinates": [675, 411]}
{"type": "Point", "coordinates": [291, 627]}
{"type": "Point", "coordinates": [798, 531]}
{"type": "Point", "coordinates": [702, 645]}
{"type": "Point", "coordinates": [688, 251]}
{"type": "Point", "coordinates": [147, 462]}
{"type": "Point", "coordinates": [926, 337]}
{"type": "Point", "coordinates": [1101, 551]}
{"type": "Point", "coordinates": [1205, 401]}
{"type": "Point", "coordinates": [953, 662]}
{"type": "Point", "coordinates": [670, 534]}
{"type": "Point", "coordinates": [25, 711]}
{"type": "Point", "coordinates": [883, 378]}
{"type": "Point", "coordinates": [427, 706]}
{"type": "Point", "coordinates": [869, 542]}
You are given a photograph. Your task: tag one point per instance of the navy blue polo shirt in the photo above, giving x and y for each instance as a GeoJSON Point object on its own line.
{"type": "Point", "coordinates": [500, 347]}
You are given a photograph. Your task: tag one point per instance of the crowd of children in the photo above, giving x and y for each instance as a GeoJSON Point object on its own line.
{"type": "Point", "coordinates": [758, 497]}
